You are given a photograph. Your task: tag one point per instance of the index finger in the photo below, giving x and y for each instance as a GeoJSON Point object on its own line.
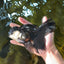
{"type": "Point", "coordinates": [13, 25]}
{"type": "Point", "coordinates": [16, 43]}
{"type": "Point", "coordinates": [23, 21]}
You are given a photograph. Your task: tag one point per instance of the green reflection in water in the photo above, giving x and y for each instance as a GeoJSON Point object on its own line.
{"type": "Point", "coordinates": [33, 11]}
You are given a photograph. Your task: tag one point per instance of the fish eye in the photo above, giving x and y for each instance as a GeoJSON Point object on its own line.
{"type": "Point", "coordinates": [23, 36]}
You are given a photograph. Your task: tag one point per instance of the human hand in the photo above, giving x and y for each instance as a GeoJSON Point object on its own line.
{"type": "Point", "coordinates": [49, 41]}
{"type": "Point", "coordinates": [49, 38]}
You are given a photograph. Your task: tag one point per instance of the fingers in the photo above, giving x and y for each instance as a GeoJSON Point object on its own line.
{"type": "Point", "coordinates": [16, 43]}
{"type": "Point", "coordinates": [13, 25]}
{"type": "Point", "coordinates": [23, 21]}
{"type": "Point", "coordinates": [44, 19]}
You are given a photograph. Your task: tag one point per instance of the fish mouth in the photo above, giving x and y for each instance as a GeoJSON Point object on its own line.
{"type": "Point", "coordinates": [16, 39]}
{"type": "Point", "coordinates": [15, 35]}
{"type": "Point", "coordinates": [20, 41]}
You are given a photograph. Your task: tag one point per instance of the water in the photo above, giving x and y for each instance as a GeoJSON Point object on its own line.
{"type": "Point", "coordinates": [33, 11]}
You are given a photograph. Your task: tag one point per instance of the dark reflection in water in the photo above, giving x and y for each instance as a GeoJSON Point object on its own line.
{"type": "Point", "coordinates": [4, 51]}
{"type": "Point", "coordinates": [33, 11]}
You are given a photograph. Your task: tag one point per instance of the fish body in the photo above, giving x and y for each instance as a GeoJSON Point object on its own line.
{"type": "Point", "coordinates": [32, 34]}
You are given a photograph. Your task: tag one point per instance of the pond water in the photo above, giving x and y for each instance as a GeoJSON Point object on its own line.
{"type": "Point", "coordinates": [33, 11]}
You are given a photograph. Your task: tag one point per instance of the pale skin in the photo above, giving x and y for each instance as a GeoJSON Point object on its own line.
{"type": "Point", "coordinates": [50, 54]}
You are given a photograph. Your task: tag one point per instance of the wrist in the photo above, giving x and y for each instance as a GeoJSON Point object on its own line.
{"type": "Point", "coordinates": [53, 57]}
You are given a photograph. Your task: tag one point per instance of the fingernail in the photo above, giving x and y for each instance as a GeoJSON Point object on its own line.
{"type": "Point", "coordinates": [20, 18]}
{"type": "Point", "coordinates": [44, 19]}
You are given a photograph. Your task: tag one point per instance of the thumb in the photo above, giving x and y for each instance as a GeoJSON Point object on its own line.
{"type": "Point", "coordinates": [49, 38]}
{"type": "Point", "coordinates": [44, 19]}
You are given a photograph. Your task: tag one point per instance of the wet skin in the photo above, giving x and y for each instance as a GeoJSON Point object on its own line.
{"type": "Point", "coordinates": [48, 38]}
{"type": "Point", "coordinates": [32, 35]}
